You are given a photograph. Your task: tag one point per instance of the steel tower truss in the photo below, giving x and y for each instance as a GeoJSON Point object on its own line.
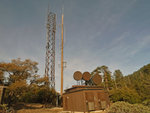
{"type": "Point", "coordinates": [50, 49]}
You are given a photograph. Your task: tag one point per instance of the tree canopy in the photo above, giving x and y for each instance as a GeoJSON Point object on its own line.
{"type": "Point", "coordinates": [133, 88]}
{"type": "Point", "coordinates": [24, 84]}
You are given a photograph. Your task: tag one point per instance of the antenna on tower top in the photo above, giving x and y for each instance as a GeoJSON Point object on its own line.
{"type": "Point", "coordinates": [63, 9]}
{"type": "Point", "coordinates": [48, 9]}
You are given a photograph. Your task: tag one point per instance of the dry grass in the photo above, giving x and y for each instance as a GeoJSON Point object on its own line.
{"type": "Point", "coordinates": [42, 110]}
{"type": "Point", "coordinates": [39, 108]}
{"type": "Point", "coordinates": [53, 110]}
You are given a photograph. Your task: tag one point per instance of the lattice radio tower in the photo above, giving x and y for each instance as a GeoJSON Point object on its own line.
{"type": "Point", "coordinates": [50, 49]}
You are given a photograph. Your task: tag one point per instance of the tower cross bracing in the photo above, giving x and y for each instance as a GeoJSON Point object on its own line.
{"type": "Point", "coordinates": [50, 49]}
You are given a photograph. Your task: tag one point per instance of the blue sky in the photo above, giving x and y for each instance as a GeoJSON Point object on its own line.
{"type": "Point", "coordinates": [115, 33]}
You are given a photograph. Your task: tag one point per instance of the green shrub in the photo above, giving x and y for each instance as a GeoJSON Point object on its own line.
{"type": "Point", "coordinates": [29, 97]}
{"type": "Point", "coordinates": [39, 94]}
{"type": "Point", "coordinates": [125, 94]}
{"type": "Point", "coordinates": [46, 95]}
{"type": "Point", "coordinates": [124, 107]}
{"type": "Point", "coordinates": [146, 102]}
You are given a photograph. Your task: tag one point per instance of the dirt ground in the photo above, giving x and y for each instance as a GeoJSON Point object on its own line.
{"type": "Point", "coordinates": [38, 108]}
{"type": "Point", "coordinates": [53, 110]}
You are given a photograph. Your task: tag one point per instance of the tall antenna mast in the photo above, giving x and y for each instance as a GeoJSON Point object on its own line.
{"type": "Point", "coordinates": [50, 49]}
{"type": "Point", "coordinates": [62, 47]}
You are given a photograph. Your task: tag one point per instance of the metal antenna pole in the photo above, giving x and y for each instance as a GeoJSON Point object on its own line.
{"type": "Point", "coordinates": [62, 64]}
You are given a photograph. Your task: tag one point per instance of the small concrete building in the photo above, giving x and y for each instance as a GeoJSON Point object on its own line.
{"type": "Point", "coordinates": [85, 99]}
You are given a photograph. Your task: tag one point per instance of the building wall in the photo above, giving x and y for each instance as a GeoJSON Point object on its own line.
{"type": "Point", "coordinates": [85, 100]}
{"type": "Point", "coordinates": [73, 101]}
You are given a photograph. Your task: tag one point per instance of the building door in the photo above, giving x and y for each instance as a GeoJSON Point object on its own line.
{"type": "Point", "coordinates": [89, 96]}
{"type": "Point", "coordinates": [102, 100]}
